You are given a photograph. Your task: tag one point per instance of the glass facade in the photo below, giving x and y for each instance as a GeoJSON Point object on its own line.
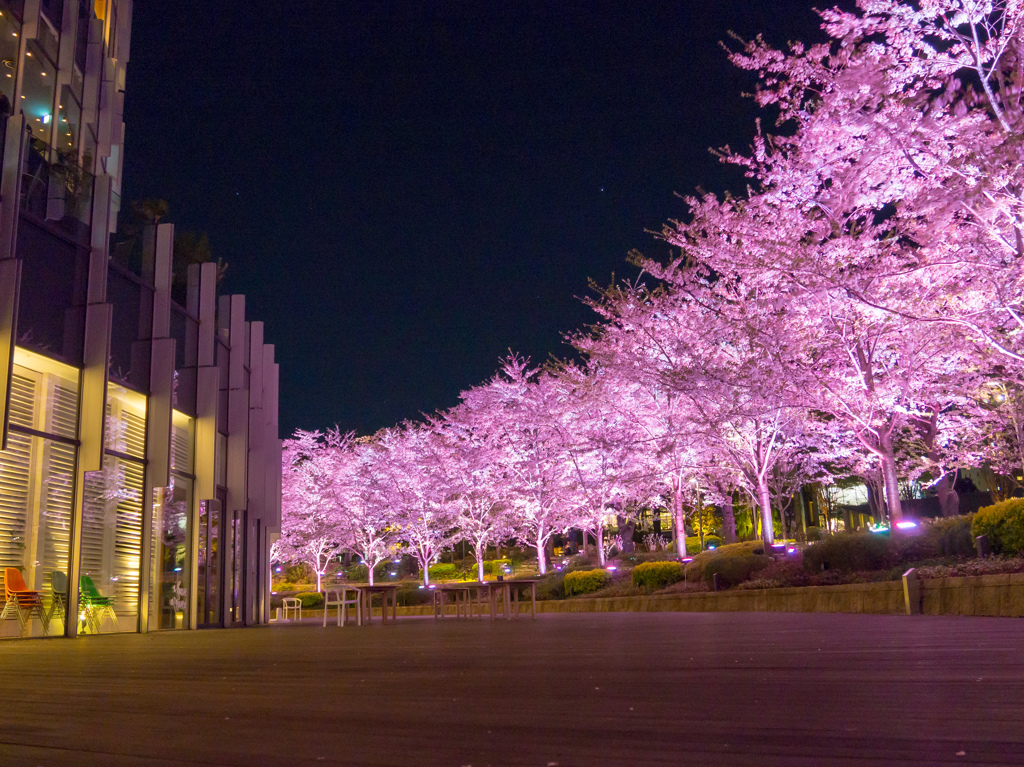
{"type": "Point", "coordinates": [112, 520]}
{"type": "Point", "coordinates": [37, 474]}
{"type": "Point", "coordinates": [80, 509]}
{"type": "Point", "coordinates": [172, 510]}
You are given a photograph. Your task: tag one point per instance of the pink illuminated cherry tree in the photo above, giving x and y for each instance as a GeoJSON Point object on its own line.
{"type": "Point", "coordinates": [483, 514]}
{"type": "Point", "coordinates": [416, 492]}
{"type": "Point", "coordinates": [519, 406]}
{"type": "Point", "coordinates": [311, 529]}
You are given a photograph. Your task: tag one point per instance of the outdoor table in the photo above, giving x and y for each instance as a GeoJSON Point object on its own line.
{"type": "Point", "coordinates": [509, 590]}
{"type": "Point", "coordinates": [366, 593]}
{"type": "Point", "coordinates": [457, 590]}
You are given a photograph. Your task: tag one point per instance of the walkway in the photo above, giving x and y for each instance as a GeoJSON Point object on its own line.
{"type": "Point", "coordinates": [568, 690]}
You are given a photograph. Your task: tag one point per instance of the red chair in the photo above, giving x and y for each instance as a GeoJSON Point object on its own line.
{"type": "Point", "coordinates": [22, 601]}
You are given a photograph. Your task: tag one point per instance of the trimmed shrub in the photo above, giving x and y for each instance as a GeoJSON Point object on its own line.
{"type": "Point", "coordinates": [1003, 523]}
{"type": "Point", "coordinates": [952, 536]}
{"type": "Point", "coordinates": [586, 581]}
{"type": "Point", "coordinates": [693, 543]}
{"type": "Point", "coordinates": [657, 575]}
{"type": "Point", "coordinates": [492, 566]}
{"type": "Point", "coordinates": [444, 572]}
{"type": "Point", "coordinates": [551, 586]}
{"type": "Point", "coordinates": [310, 600]}
{"type": "Point", "coordinates": [733, 563]}
{"type": "Point", "coordinates": [850, 552]}
{"type": "Point", "coordinates": [733, 569]}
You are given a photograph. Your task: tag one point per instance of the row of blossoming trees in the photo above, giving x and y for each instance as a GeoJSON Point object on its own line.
{"type": "Point", "coordinates": [856, 313]}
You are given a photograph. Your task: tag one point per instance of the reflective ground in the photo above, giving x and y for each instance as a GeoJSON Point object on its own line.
{"type": "Point", "coordinates": [565, 690]}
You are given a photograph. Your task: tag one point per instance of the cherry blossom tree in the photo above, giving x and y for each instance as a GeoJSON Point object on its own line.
{"type": "Point", "coordinates": [518, 406]}
{"type": "Point", "coordinates": [482, 513]}
{"type": "Point", "coordinates": [416, 491]}
{"type": "Point", "coordinates": [310, 525]}
{"type": "Point", "coordinates": [367, 531]}
{"type": "Point", "coordinates": [599, 441]}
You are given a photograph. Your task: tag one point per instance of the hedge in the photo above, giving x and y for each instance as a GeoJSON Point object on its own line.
{"type": "Point", "coordinates": [492, 566]}
{"type": "Point", "coordinates": [1003, 523]}
{"type": "Point", "coordinates": [952, 536]}
{"type": "Point", "coordinates": [733, 563]}
{"type": "Point", "coordinates": [445, 572]}
{"type": "Point", "coordinates": [586, 581]}
{"type": "Point", "coordinates": [850, 552]}
{"type": "Point", "coordinates": [657, 575]}
{"type": "Point", "coordinates": [310, 600]}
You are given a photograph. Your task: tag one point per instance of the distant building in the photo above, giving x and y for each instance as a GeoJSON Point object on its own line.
{"type": "Point", "coordinates": [140, 469]}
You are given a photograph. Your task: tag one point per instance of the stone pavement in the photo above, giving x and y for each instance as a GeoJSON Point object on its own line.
{"type": "Point", "coordinates": [568, 690]}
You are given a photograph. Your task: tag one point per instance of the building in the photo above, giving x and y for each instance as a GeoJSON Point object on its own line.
{"type": "Point", "coordinates": [140, 469]}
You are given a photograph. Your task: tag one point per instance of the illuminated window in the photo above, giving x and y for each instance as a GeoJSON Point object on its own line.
{"type": "Point", "coordinates": [37, 476]}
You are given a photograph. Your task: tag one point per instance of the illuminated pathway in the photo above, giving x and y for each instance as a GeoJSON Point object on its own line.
{"type": "Point", "coordinates": [576, 690]}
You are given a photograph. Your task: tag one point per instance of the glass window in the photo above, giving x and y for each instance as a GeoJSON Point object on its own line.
{"type": "Point", "coordinates": [182, 439]}
{"type": "Point", "coordinates": [169, 593]}
{"type": "Point", "coordinates": [77, 82]}
{"type": "Point", "coordinates": [111, 547]}
{"type": "Point", "coordinates": [69, 118]}
{"type": "Point", "coordinates": [126, 421]}
{"type": "Point", "coordinates": [9, 32]}
{"type": "Point", "coordinates": [47, 36]}
{"type": "Point", "coordinates": [37, 95]}
{"type": "Point", "coordinates": [37, 492]}
{"type": "Point", "coordinates": [38, 379]}
{"type": "Point", "coordinates": [36, 500]}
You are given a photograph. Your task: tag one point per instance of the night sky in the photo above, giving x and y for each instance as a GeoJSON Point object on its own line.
{"type": "Point", "coordinates": [405, 191]}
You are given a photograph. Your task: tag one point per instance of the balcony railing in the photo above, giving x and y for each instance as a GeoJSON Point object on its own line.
{"type": "Point", "coordinates": [56, 188]}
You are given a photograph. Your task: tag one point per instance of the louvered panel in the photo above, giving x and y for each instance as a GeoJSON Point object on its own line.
{"type": "Point", "coordinates": [23, 399]}
{"type": "Point", "coordinates": [181, 449]}
{"type": "Point", "coordinates": [58, 495]}
{"type": "Point", "coordinates": [134, 434]}
{"type": "Point", "coordinates": [14, 498]}
{"type": "Point", "coordinates": [128, 541]}
{"type": "Point", "coordinates": [100, 486]}
{"type": "Point", "coordinates": [62, 417]}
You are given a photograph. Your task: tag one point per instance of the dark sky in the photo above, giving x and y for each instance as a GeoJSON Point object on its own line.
{"type": "Point", "coordinates": [406, 190]}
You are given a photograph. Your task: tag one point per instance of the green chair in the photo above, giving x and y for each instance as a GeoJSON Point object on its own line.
{"type": "Point", "coordinates": [95, 605]}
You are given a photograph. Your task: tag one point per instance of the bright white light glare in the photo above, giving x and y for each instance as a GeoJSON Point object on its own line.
{"type": "Point", "coordinates": [906, 524]}
{"type": "Point", "coordinates": [432, 586]}
{"type": "Point", "coordinates": [613, 568]}
{"type": "Point", "coordinates": [46, 119]}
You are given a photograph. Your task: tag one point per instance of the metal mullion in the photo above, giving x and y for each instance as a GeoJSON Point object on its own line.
{"type": "Point", "coordinates": [44, 435]}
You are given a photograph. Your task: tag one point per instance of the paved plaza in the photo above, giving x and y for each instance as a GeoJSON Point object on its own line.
{"type": "Point", "coordinates": [565, 690]}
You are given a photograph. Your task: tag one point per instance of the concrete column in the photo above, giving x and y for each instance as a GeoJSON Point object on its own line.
{"type": "Point", "coordinates": [203, 304]}
{"type": "Point", "coordinates": [161, 401]}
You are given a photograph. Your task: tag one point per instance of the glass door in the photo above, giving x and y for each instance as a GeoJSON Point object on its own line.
{"type": "Point", "coordinates": [210, 567]}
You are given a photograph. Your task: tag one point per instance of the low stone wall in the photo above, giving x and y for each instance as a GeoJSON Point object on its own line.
{"type": "Point", "coordinates": [993, 595]}
{"type": "Point", "coordinates": [850, 598]}
{"type": "Point", "coordinates": [983, 595]}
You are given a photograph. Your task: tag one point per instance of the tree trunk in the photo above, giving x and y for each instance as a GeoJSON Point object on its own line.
{"type": "Point", "coordinates": [600, 545]}
{"type": "Point", "coordinates": [480, 553]}
{"type": "Point", "coordinates": [677, 518]}
{"type": "Point", "coordinates": [371, 575]}
{"type": "Point", "coordinates": [767, 529]}
{"type": "Point", "coordinates": [949, 501]}
{"type": "Point", "coordinates": [542, 566]}
{"type": "Point", "coordinates": [892, 486]}
{"type": "Point", "coordinates": [728, 520]}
